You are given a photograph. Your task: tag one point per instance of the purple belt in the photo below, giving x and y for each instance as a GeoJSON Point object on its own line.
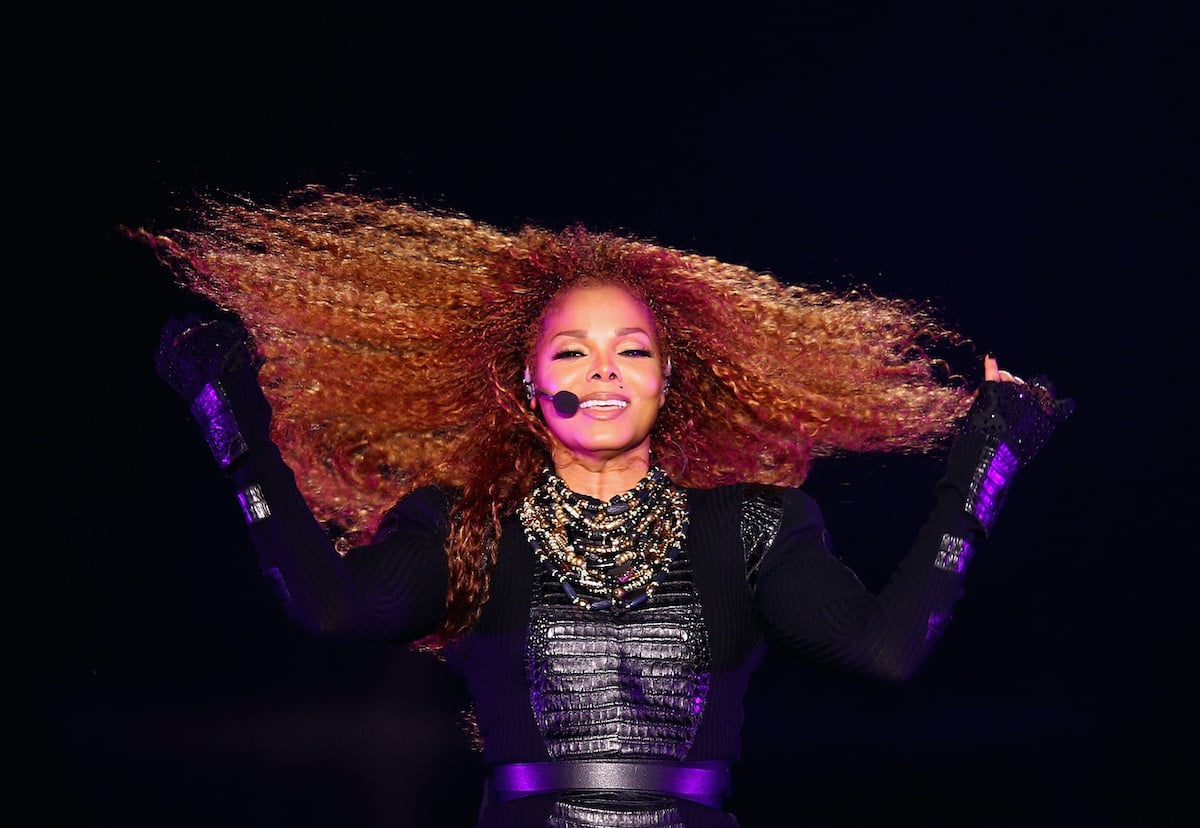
{"type": "Point", "coordinates": [705, 782]}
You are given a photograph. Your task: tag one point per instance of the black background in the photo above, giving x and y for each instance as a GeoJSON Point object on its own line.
{"type": "Point", "coordinates": [1027, 167]}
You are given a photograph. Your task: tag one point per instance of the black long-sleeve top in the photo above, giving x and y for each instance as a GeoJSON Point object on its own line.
{"type": "Point", "coordinates": [802, 599]}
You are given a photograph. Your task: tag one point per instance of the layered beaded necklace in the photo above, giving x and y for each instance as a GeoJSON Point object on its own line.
{"type": "Point", "coordinates": [610, 555]}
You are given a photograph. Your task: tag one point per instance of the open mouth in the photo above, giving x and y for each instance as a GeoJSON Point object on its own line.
{"type": "Point", "coordinates": [604, 404]}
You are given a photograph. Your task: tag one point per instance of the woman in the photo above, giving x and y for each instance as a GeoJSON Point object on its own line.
{"type": "Point", "coordinates": [570, 464]}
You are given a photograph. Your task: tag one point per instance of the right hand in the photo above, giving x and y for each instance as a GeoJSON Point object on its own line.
{"type": "Point", "coordinates": [193, 352]}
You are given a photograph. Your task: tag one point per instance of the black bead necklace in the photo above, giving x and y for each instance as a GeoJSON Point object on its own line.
{"type": "Point", "coordinates": [610, 555]}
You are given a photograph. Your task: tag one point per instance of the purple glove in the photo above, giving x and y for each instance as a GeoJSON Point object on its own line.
{"type": "Point", "coordinates": [1022, 415]}
{"type": "Point", "coordinates": [194, 352]}
{"type": "Point", "coordinates": [213, 365]}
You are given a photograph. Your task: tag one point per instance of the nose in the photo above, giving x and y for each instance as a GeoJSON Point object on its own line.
{"type": "Point", "coordinates": [604, 368]}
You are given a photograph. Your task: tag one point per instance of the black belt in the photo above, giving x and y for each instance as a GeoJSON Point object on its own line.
{"type": "Point", "coordinates": [704, 782]}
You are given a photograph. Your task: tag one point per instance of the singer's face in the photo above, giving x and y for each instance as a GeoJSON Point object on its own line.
{"type": "Point", "coordinates": [600, 343]}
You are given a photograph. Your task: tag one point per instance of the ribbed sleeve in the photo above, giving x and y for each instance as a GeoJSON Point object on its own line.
{"type": "Point", "coordinates": [815, 607]}
{"type": "Point", "coordinates": [393, 589]}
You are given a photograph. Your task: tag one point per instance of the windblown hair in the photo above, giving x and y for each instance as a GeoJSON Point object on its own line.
{"type": "Point", "coordinates": [394, 339]}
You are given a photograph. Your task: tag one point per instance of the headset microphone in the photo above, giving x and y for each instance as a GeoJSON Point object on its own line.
{"type": "Point", "coordinates": [565, 403]}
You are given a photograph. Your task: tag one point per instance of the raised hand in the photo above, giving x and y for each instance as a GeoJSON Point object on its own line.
{"type": "Point", "coordinates": [195, 352]}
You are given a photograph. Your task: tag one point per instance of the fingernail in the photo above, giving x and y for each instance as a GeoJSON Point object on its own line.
{"type": "Point", "coordinates": [991, 355]}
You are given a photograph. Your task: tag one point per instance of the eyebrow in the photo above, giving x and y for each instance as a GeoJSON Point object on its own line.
{"type": "Point", "coordinates": [580, 334]}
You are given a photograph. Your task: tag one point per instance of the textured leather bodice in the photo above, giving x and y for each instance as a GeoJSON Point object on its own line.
{"type": "Point", "coordinates": [619, 685]}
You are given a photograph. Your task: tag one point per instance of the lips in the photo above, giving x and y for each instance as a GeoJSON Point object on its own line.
{"type": "Point", "coordinates": [604, 404]}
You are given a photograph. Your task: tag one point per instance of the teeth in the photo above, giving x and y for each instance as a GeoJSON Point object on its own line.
{"type": "Point", "coordinates": [603, 404]}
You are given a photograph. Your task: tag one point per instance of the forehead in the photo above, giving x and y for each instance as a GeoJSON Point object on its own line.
{"type": "Point", "coordinates": [597, 307]}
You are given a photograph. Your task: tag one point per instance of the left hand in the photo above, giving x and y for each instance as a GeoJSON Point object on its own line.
{"type": "Point", "coordinates": [992, 372]}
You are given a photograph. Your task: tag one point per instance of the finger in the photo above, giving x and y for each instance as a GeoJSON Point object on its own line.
{"type": "Point", "coordinates": [991, 369]}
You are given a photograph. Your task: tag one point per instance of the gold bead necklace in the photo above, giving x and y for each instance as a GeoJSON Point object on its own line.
{"type": "Point", "coordinates": [610, 555]}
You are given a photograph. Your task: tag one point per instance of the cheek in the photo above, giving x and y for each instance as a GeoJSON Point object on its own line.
{"type": "Point", "coordinates": [549, 375]}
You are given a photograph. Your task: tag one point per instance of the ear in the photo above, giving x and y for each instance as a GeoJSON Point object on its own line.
{"type": "Point", "coordinates": [662, 395]}
{"type": "Point", "coordinates": [530, 389]}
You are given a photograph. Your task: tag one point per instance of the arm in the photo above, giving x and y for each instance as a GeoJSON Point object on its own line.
{"type": "Point", "coordinates": [815, 607]}
{"type": "Point", "coordinates": [392, 589]}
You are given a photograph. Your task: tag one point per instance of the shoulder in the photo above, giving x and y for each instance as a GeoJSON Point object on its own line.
{"type": "Point", "coordinates": [424, 509]}
{"type": "Point", "coordinates": [741, 501]}
{"type": "Point", "coordinates": [754, 519]}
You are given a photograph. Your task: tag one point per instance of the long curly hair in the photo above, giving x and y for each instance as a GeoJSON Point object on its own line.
{"type": "Point", "coordinates": [393, 342]}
